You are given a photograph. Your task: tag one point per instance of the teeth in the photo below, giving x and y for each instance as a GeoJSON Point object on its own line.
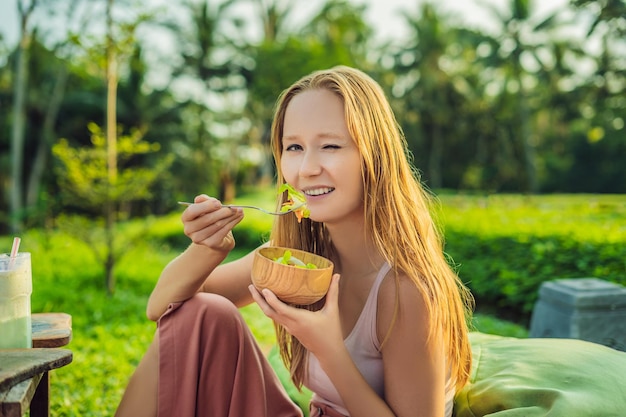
{"type": "Point", "coordinates": [318, 191]}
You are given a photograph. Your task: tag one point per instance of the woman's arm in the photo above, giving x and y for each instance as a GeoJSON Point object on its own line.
{"type": "Point", "coordinates": [209, 225]}
{"type": "Point", "coordinates": [415, 366]}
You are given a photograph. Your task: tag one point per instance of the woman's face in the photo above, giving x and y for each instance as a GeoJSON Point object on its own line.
{"type": "Point", "coordinates": [320, 158]}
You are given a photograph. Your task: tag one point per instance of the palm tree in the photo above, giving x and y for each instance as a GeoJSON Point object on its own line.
{"type": "Point", "coordinates": [513, 56]}
{"type": "Point", "coordinates": [428, 96]}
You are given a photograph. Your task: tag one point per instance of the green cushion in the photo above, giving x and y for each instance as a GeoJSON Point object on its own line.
{"type": "Point", "coordinates": [528, 378]}
{"type": "Point", "coordinates": [543, 377]}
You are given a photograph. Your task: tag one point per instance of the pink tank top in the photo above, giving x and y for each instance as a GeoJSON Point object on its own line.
{"type": "Point", "coordinates": [364, 348]}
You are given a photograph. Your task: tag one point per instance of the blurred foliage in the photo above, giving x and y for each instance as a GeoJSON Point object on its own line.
{"type": "Point", "coordinates": [87, 184]}
{"type": "Point", "coordinates": [84, 177]}
{"type": "Point", "coordinates": [535, 105]}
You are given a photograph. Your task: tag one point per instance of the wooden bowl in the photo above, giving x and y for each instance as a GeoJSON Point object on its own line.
{"type": "Point", "coordinates": [292, 284]}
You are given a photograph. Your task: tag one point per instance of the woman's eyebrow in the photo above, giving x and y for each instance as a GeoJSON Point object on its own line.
{"type": "Point", "coordinates": [323, 135]}
{"type": "Point", "coordinates": [331, 135]}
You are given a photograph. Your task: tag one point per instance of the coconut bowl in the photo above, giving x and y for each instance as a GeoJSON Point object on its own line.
{"type": "Point", "coordinates": [291, 284]}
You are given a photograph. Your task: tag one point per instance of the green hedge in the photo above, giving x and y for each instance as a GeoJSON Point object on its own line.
{"type": "Point", "coordinates": [506, 273]}
{"type": "Point", "coordinates": [506, 246]}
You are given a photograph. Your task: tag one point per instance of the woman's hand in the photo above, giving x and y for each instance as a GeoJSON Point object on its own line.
{"type": "Point", "coordinates": [209, 224]}
{"type": "Point", "coordinates": [318, 331]}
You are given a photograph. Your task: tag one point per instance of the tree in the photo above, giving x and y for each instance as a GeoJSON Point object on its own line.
{"type": "Point", "coordinates": [428, 97]}
{"type": "Point", "coordinates": [600, 132]}
{"type": "Point", "coordinates": [86, 184]}
{"type": "Point", "coordinates": [19, 105]}
{"type": "Point", "coordinates": [340, 28]}
{"type": "Point", "coordinates": [119, 45]}
{"type": "Point", "coordinates": [515, 59]}
{"type": "Point", "coordinates": [52, 100]}
{"type": "Point", "coordinates": [607, 12]}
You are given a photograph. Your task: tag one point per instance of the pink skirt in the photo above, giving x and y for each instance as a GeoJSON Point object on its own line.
{"type": "Point", "coordinates": [211, 365]}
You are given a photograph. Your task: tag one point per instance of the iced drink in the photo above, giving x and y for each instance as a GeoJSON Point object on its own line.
{"type": "Point", "coordinates": [15, 289]}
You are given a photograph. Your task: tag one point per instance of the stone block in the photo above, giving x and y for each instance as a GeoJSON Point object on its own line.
{"type": "Point", "coordinates": [588, 309]}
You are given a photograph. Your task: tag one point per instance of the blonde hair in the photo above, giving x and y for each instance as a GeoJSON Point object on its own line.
{"type": "Point", "coordinates": [397, 212]}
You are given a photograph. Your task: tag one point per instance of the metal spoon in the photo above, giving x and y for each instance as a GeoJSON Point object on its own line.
{"type": "Point", "coordinates": [274, 213]}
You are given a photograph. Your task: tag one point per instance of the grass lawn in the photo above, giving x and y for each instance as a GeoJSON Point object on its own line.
{"type": "Point", "coordinates": [110, 334]}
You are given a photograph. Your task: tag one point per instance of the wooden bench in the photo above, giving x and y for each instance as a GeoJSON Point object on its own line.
{"type": "Point", "coordinates": [24, 373]}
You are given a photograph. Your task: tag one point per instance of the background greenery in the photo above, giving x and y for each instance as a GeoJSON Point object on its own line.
{"type": "Point", "coordinates": [535, 104]}
{"type": "Point", "coordinates": [504, 246]}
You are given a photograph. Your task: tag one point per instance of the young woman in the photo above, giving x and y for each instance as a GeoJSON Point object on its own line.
{"type": "Point", "coordinates": [390, 337]}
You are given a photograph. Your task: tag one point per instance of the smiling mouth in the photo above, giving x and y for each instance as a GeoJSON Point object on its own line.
{"type": "Point", "coordinates": [318, 191]}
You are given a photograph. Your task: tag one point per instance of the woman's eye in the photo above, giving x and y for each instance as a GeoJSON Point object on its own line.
{"type": "Point", "coordinates": [332, 146]}
{"type": "Point", "coordinates": [293, 147]}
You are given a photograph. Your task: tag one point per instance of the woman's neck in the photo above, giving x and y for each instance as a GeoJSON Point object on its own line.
{"type": "Point", "coordinates": [356, 252]}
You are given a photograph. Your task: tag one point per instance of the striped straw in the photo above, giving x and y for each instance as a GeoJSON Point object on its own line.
{"type": "Point", "coordinates": [14, 250]}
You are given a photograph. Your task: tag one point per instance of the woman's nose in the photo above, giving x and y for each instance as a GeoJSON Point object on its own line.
{"type": "Point", "coordinates": [310, 164]}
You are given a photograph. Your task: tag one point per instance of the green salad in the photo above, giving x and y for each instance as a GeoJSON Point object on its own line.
{"type": "Point", "coordinates": [294, 199]}
{"type": "Point", "coordinates": [289, 259]}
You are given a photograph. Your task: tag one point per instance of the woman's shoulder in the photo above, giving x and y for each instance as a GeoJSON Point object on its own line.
{"type": "Point", "coordinates": [398, 285]}
{"type": "Point", "coordinates": [399, 293]}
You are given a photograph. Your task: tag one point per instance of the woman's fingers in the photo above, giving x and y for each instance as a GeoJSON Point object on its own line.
{"type": "Point", "coordinates": [273, 308]}
{"type": "Point", "coordinates": [275, 304]}
{"type": "Point", "coordinates": [202, 205]}
{"type": "Point", "coordinates": [203, 197]}
{"type": "Point", "coordinates": [332, 296]}
{"type": "Point", "coordinates": [207, 222]}
{"type": "Point", "coordinates": [260, 300]}
{"type": "Point", "coordinates": [212, 226]}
